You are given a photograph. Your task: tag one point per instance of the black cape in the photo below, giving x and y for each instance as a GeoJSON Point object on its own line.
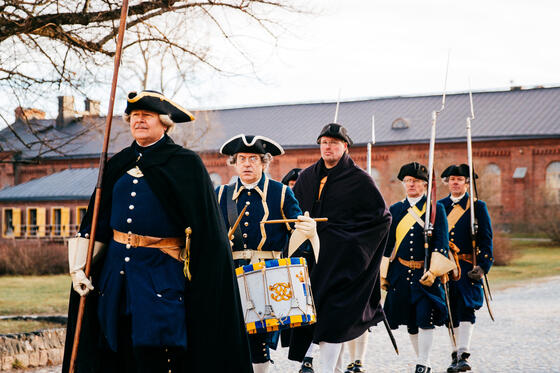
{"type": "Point", "coordinates": [345, 280]}
{"type": "Point", "coordinates": [216, 333]}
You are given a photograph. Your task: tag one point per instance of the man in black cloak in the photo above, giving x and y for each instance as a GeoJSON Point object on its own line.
{"type": "Point", "coordinates": [163, 288]}
{"type": "Point", "coordinates": [345, 280]}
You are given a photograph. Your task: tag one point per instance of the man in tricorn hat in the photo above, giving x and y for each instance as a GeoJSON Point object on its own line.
{"type": "Point", "coordinates": [414, 298]}
{"type": "Point", "coordinates": [345, 280]}
{"type": "Point", "coordinates": [266, 199]}
{"type": "Point", "coordinates": [291, 177]}
{"type": "Point", "coordinates": [465, 291]}
{"type": "Point", "coordinates": [162, 279]}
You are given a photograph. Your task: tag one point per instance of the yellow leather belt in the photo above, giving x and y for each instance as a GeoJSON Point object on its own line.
{"type": "Point", "coordinates": [413, 264]}
{"type": "Point", "coordinates": [255, 255]}
{"type": "Point", "coordinates": [170, 245]}
{"type": "Point", "coordinates": [465, 257]}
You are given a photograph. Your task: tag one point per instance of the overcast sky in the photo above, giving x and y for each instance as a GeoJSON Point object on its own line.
{"type": "Point", "coordinates": [370, 48]}
{"type": "Point", "coordinates": [375, 48]}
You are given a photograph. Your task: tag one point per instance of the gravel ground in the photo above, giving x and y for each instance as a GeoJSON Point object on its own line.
{"type": "Point", "coordinates": [524, 338]}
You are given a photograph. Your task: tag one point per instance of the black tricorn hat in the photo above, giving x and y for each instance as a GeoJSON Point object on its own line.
{"type": "Point", "coordinates": [292, 175]}
{"type": "Point", "coordinates": [158, 103]}
{"type": "Point", "coordinates": [414, 169]}
{"type": "Point", "coordinates": [460, 170]}
{"type": "Point", "coordinates": [337, 131]}
{"type": "Point", "coordinates": [251, 144]}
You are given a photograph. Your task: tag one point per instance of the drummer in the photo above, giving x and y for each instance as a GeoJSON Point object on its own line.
{"type": "Point", "coordinates": [265, 199]}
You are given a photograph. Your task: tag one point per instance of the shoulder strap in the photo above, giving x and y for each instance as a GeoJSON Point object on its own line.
{"type": "Point", "coordinates": [455, 214]}
{"type": "Point", "coordinates": [404, 226]}
{"type": "Point", "coordinates": [231, 206]}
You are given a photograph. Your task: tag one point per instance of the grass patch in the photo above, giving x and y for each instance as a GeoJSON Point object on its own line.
{"type": "Point", "coordinates": [34, 295]}
{"type": "Point", "coordinates": [22, 326]}
{"type": "Point", "coordinates": [534, 260]}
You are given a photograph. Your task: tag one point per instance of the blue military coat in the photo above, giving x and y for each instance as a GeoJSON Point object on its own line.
{"type": "Point", "coordinates": [470, 290]}
{"type": "Point", "coordinates": [269, 200]}
{"type": "Point", "coordinates": [143, 283]}
{"type": "Point", "coordinates": [405, 289]}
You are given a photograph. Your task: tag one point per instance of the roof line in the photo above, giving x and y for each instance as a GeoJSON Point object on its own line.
{"type": "Point", "coordinates": [374, 98]}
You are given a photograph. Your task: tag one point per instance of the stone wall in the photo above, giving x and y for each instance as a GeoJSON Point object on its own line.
{"type": "Point", "coordinates": [34, 349]}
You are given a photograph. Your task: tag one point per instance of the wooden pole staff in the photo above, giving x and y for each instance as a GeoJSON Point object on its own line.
{"type": "Point", "coordinates": [102, 163]}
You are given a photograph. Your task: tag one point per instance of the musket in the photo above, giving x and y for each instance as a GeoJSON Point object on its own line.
{"type": "Point", "coordinates": [102, 163]}
{"type": "Point", "coordinates": [474, 194]}
{"type": "Point", "coordinates": [431, 202]}
{"type": "Point", "coordinates": [337, 106]}
{"type": "Point", "coordinates": [431, 197]}
{"type": "Point", "coordinates": [370, 144]}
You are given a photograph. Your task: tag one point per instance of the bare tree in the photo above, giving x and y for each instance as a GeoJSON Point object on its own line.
{"type": "Point", "coordinates": [68, 45]}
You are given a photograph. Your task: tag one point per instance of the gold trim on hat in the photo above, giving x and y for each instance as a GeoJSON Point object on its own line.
{"type": "Point", "coordinates": [162, 98]}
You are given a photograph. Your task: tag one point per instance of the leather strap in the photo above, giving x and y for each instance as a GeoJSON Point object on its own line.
{"type": "Point", "coordinates": [231, 206]}
{"type": "Point", "coordinates": [466, 257]}
{"type": "Point", "coordinates": [455, 214]}
{"type": "Point", "coordinates": [255, 255]}
{"type": "Point", "coordinates": [169, 245]}
{"type": "Point", "coordinates": [412, 264]}
{"type": "Point", "coordinates": [403, 228]}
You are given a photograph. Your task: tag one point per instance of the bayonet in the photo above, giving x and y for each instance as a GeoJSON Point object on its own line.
{"type": "Point", "coordinates": [473, 194]}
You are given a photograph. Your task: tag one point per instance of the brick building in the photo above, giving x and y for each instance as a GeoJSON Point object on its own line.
{"type": "Point", "coordinates": [516, 149]}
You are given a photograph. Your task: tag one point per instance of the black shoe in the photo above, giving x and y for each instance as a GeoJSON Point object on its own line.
{"type": "Point", "coordinates": [453, 367]}
{"type": "Point", "coordinates": [463, 364]}
{"type": "Point", "coordinates": [307, 365]}
{"type": "Point", "coordinates": [422, 369]}
{"type": "Point", "coordinates": [349, 368]}
{"type": "Point", "coordinates": [358, 367]}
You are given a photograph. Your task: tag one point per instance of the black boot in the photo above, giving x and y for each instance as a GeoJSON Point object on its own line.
{"type": "Point", "coordinates": [307, 365]}
{"type": "Point", "coordinates": [453, 367]}
{"type": "Point", "coordinates": [358, 367]}
{"type": "Point", "coordinates": [349, 368]}
{"type": "Point", "coordinates": [422, 369]}
{"type": "Point", "coordinates": [463, 364]}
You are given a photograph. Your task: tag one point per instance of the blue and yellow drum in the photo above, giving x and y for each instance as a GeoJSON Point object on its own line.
{"type": "Point", "coordinates": [276, 294]}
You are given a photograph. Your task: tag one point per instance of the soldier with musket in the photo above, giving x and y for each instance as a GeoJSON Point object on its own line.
{"type": "Point", "coordinates": [162, 285]}
{"type": "Point", "coordinates": [264, 199]}
{"type": "Point", "coordinates": [414, 298]}
{"type": "Point", "coordinates": [466, 289]}
{"type": "Point", "coordinates": [345, 280]}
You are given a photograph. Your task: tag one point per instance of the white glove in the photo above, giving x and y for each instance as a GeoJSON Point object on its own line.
{"type": "Point", "coordinates": [81, 284]}
{"type": "Point", "coordinates": [77, 254]}
{"type": "Point", "coordinates": [306, 225]}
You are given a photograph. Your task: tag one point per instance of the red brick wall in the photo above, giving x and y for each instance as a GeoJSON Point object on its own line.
{"type": "Point", "coordinates": [517, 196]}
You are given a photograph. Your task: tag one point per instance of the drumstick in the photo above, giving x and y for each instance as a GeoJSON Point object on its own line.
{"type": "Point", "coordinates": [290, 220]}
{"type": "Point", "coordinates": [237, 221]}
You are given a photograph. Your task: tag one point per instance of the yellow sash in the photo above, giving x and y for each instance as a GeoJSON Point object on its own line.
{"type": "Point", "coordinates": [403, 227]}
{"type": "Point", "coordinates": [455, 214]}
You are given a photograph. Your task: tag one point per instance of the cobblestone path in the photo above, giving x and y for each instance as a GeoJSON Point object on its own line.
{"type": "Point", "coordinates": [525, 338]}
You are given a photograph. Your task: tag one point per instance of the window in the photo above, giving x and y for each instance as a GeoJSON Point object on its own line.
{"type": "Point", "coordinates": [400, 123]}
{"type": "Point", "coordinates": [11, 222]}
{"type": "Point", "coordinates": [60, 221]}
{"type": "Point", "coordinates": [31, 221]}
{"type": "Point", "coordinates": [36, 221]}
{"type": "Point", "coordinates": [55, 221]}
{"type": "Point", "coordinates": [491, 185]}
{"type": "Point", "coordinates": [553, 182]}
{"type": "Point", "coordinates": [80, 213]}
